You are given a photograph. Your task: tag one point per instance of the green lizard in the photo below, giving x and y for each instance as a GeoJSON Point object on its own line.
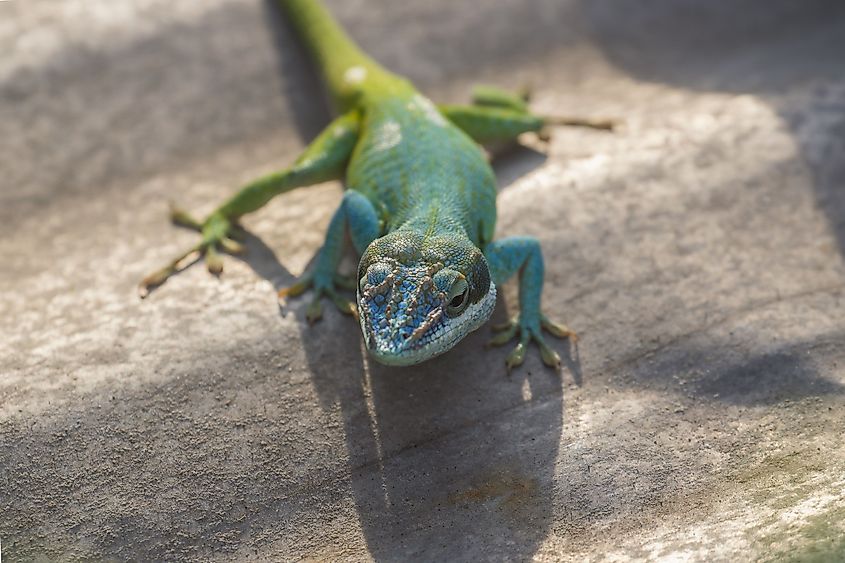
{"type": "Point", "coordinates": [420, 206]}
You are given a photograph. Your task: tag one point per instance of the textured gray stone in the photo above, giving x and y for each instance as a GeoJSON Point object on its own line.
{"type": "Point", "coordinates": [699, 253]}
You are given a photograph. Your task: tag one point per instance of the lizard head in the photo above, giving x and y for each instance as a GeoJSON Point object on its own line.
{"type": "Point", "coordinates": [419, 295]}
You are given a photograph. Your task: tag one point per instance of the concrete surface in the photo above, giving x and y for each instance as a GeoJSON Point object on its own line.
{"type": "Point", "coordinates": [699, 253]}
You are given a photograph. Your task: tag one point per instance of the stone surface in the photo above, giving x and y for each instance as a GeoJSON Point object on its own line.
{"type": "Point", "coordinates": [699, 253]}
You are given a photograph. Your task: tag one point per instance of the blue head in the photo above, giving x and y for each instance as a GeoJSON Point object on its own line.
{"type": "Point", "coordinates": [420, 295]}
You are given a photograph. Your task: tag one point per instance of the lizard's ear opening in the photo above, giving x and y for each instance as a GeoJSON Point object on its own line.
{"type": "Point", "coordinates": [479, 277]}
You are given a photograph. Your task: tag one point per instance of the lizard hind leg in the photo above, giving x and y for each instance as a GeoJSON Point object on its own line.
{"type": "Point", "coordinates": [492, 96]}
{"type": "Point", "coordinates": [324, 159]}
{"type": "Point", "coordinates": [497, 116]}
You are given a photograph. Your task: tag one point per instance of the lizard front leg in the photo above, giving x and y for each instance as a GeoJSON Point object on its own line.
{"type": "Point", "coordinates": [505, 258]}
{"type": "Point", "coordinates": [324, 159]}
{"type": "Point", "coordinates": [358, 215]}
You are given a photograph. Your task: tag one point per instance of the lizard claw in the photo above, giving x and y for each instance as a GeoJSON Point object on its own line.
{"type": "Point", "coordinates": [231, 246]}
{"type": "Point", "coordinates": [299, 287]}
{"type": "Point", "coordinates": [559, 330]}
{"type": "Point", "coordinates": [182, 219]}
{"type": "Point", "coordinates": [345, 282]}
{"type": "Point", "coordinates": [216, 235]}
{"type": "Point", "coordinates": [213, 261]}
{"type": "Point", "coordinates": [528, 331]}
{"type": "Point", "coordinates": [516, 357]}
{"type": "Point", "coordinates": [601, 124]}
{"type": "Point", "coordinates": [155, 279]}
{"type": "Point", "coordinates": [345, 306]}
{"type": "Point", "coordinates": [504, 332]}
{"type": "Point", "coordinates": [314, 312]}
{"type": "Point", "coordinates": [549, 356]}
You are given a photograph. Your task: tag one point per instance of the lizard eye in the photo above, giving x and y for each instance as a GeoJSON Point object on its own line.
{"type": "Point", "coordinates": [457, 297]}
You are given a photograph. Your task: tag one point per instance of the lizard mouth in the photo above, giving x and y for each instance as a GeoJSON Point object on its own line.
{"type": "Point", "coordinates": [404, 339]}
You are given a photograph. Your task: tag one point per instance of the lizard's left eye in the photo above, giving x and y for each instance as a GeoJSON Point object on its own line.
{"type": "Point", "coordinates": [458, 300]}
{"type": "Point", "coordinates": [457, 297]}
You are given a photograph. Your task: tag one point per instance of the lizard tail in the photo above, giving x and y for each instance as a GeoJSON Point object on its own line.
{"type": "Point", "coordinates": [346, 69]}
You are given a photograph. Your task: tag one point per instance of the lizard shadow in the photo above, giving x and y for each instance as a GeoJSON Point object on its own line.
{"type": "Point", "coordinates": [448, 457]}
{"type": "Point", "coordinates": [515, 161]}
{"type": "Point", "coordinates": [451, 456]}
{"type": "Point", "coordinates": [264, 262]}
{"type": "Point", "coordinates": [301, 89]}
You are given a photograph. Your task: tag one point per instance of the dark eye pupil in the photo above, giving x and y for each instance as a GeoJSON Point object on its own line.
{"type": "Point", "coordinates": [457, 300]}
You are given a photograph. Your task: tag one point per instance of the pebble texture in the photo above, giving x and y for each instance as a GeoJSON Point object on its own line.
{"type": "Point", "coordinates": [698, 252]}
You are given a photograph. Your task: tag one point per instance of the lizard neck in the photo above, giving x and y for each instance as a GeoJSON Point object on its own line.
{"type": "Point", "coordinates": [435, 220]}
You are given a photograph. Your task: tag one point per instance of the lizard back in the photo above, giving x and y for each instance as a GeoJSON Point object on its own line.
{"type": "Point", "coordinates": [412, 163]}
{"type": "Point", "coordinates": [422, 171]}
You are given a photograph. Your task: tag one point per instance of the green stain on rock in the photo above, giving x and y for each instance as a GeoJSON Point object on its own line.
{"type": "Point", "coordinates": [820, 539]}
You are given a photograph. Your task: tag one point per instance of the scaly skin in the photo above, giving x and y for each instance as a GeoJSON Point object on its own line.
{"type": "Point", "coordinates": [420, 207]}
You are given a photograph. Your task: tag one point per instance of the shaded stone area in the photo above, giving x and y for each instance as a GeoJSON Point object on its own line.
{"type": "Point", "coordinates": [698, 252]}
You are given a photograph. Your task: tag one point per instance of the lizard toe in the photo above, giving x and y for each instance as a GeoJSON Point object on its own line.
{"type": "Point", "coordinates": [559, 330]}
{"type": "Point", "coordinates": [296, 289]}
{"type": "Point", "coordinates": [213, 260]}
{"type": "Point", "coordinates": [315, 309]}
{"type": "Point", "coordinates": [549, 356]}
{"type": "Point", "coordinates": [503, 335]}
{"type": "Point", "coordinates": [516, 357]}
{"type": "Point", "coordinates": [157, 278]}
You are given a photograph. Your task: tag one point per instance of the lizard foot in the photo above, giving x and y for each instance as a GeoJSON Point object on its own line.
{"type": "Point", "coordinates": [527, 330]}
{"type": "Point", "coordinates": [323, 286]}
{"type": "Point", "coordinates": [218, 233]}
